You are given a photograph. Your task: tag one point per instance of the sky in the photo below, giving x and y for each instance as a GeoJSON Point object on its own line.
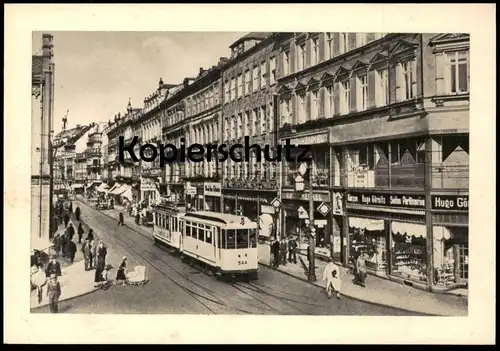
{"type": "Point", "coordinates": [97, 72]}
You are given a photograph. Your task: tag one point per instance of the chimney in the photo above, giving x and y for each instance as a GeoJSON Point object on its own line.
{"type": "Point", "coordinates": [201, 70]}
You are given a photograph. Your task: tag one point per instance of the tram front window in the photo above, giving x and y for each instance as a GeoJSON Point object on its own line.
{"type": "Point", "coordinates": [242, 239]}
{"type": "Point", "coordinates": [230, 239]}
{"type": "Point", "coordinates": [253, 238]}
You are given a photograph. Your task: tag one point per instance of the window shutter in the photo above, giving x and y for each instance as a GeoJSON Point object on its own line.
{"type": "Point", "coordinates": [308, 113]}
{"type": "Point", "coordinates": [392, 83]}
{"type": "Point", "coordinates": [354, 88]}
{"type": "Point", "coordinates": [351, 37]}
{"type": "Point", "coordinates": [293, 59]}
{"type": "Point", "coordinates": [371, 89]}
{"type": "Point", "coordinates": [440, 68]}
{"type": "Point", "coordinates": [336, 99]}
{"type": "Point", "coordinates": [336, 44]}
{"type": "Point", "coordinates": [322, 46]}
{"type": "Point", "coordinates": [322, 102]}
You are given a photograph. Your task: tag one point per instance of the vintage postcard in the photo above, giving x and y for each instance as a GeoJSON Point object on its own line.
{"type": "Point", "coordinates": [191, 175]}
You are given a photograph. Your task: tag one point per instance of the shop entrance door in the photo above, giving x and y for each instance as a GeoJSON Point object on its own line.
{"type": "Point", "coordinates": [463, 263]}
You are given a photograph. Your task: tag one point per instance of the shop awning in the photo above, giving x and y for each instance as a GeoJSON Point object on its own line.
{"type": "Point", "coordinates": [410, 229]}
{"type": "Point", "coordinates": [265, 224]}
{"type": "Point", "coordinates": [102, 188]}
{"type": "Point", "coordinates": [116, 190]}
{"type": "Point", "coordinates": [367, 224]}
{"type": "Point", "coordinates": [77, 186]}
{"type": "Point", "coordinates": [127, 192]}
{"type": "Point", "coordinates": [40, 244]}
{"type": "Point", "coordinates": [439, 232]}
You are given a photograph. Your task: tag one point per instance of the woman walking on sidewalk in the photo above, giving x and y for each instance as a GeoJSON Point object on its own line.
{"type": "Point", "coordinates": [331, 275]}
{"type": "Point", "coordinates": [121, 275]}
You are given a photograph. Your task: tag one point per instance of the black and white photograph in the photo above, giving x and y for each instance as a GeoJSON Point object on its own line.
{"type": "Point", "coordinates": [251, 173]}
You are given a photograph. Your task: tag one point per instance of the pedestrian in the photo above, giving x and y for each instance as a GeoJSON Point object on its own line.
{"type": "Point", "coordinates": [271, 253]}
{"type": "Point", "coordinates": [39, 279]}
{"type": "Point", "coordinates": [361, 270]}
{"type": "Point", "coordinates": [80, 232]}
{"type": "Point", "coordinates": [70, 231]}
{"type": "Point", "coordinates": [77, 213]}
{"type": "Point", "coordinates": [72, 251]}
{"type": "Point", "coordinates": [120, 218]}
{"type": "Point", "coordinates": [70, 207]}
{"type": "Point", "coordinates": [283, 251]}
{"type": "Point", "coordinates": [57, 244]}
{"type": "Point", "coordinates": [93, 254]}
{"type": "Point", "coordinates": [53, 293]}
{"type": "Point", "coordinates": [101, 264]}
{"type": "Point", "coordinates": [53, 267]}
{"type": "Point", "coordinates": [86, 254]}
{"type": "Point", "coordinates": [90, 235]}
{"type": "Point", "coordinates": [121, 274]}
{"type": "Point", "coordinates": [66, 219]}
{"type": "Point", "coordinates": [276, 250]}
{"type": "Point", "coordinates": [292, 250]}
{"type": "Point", "coordinates": [331, 276]}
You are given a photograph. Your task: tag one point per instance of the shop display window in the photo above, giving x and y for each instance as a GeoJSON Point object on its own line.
{"type": "Point", "coordinates": [368, 237]}
{"type": "Point", "coordinates": [451, 255]}
{"type": "Point", "coordinates": [409, 251]}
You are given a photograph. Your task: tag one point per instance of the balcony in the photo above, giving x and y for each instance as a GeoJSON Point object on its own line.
{"type": "Point", "coordinates": [320, 180]}
{"type": "Point", "coordinates": [251, 184]}
{"type": "Point", "coordinates": [202, 179]}
{"type": "Point", "coordinates": [93, 153]}
{"type": "Point", "coordinates": [94, 138]}
{"type": "Point", "coordinates": [80, 156]}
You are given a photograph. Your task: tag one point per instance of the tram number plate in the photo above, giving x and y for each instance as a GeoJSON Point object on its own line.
{"type": "Point", "coordinates": [242, 262]}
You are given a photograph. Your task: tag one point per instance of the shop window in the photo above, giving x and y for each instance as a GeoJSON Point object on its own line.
{"type": "Point", "coordinates": [408, 251]}
{"type": "Point", "coordinates": [367, 237]}
{"type": "Point", "coordinates": [450, 255]}
{"type": "Point", "coordinates": [230, 239]}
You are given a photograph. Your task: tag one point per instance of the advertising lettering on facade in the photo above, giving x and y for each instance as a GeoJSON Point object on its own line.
{"type": "Point", "coordinates": [317, 197]}
{"type": "Point", "coordinates": [387, 200]}
{"type": "Point", "coordinates": [212, 189]}
{"type": "Point", "coordinates": [311, 139]}
{"type": "Point", "coordinates": [450, 202]}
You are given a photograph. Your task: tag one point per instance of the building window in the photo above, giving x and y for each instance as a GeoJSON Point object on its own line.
{"type": "Point", "coordinates": [346, 97]}
{"type": "Point", "coordinates": [302, 109]}
{"type": "Point", "coordinates": [330, 101]}
{"type": "Point", "coordinates": [263, 119]}
{"type": "Point", "coordinates": [285, 112]}
{"type": "Point", "coordinates": [240, 126]}
{"type": "Point", "coordinates": [301, 57]}
{"type": "Point", "coordinates": [248, 127]}
{"type": "Point", "coordinates": [409, 75]}
{"type": "Point", "coordinates": [240, 86]}
{"type": "Point", "coordinates": [255, 120]}
{"type": "Point", "coordinates": [382, 88]}
{"type": "Point", "coordinates": [458, 71]}
{"type": "Point", "coordinates": [255, 76]}
{"type": "Point", "coordinates": [343, 43]}
{"type": "Point", "coordinates": [315, 52]}
{"type": "Point", "coordinates": [361, 39]}
{"type": "Point", "coordinates": [314, 105]}
{"type": "Point", "coordinates": [226, 92]}
{"type": "Point", "coordinates": [272, 69]}
{"type": "Point", "coordinates": [286, 63]}
{"type": "Point", "coordinates": [363, 91]}
{"type": "Point", "coordinates": [329, 44]}
{"type": "Point", "coordinates": [233, 89]}
{"type": "Point", "coordinates": [247, 82]}
{"type": "Point", "coordinates": [263, 73]}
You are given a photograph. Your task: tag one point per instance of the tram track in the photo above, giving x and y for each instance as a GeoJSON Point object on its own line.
{"type": "Point", "coordinates": [211, 298]}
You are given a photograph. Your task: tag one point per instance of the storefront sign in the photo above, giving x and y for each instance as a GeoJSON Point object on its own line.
{"type": "Point", "coordinates": [319, 197]}
{"type": "Point", "coordinates": [310, 139]}
{"type": "Point", "coordinates": [409, 201]}
{"type": "Point", "coordinates": [450, 202]}
{"type": "Point", "coordinates": [212, 189]}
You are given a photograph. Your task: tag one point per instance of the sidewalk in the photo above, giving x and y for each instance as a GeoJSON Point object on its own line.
{"type": "Point", "coordinates": [75, 281]}
{"type": "Point", "coordinates": [378, 290]}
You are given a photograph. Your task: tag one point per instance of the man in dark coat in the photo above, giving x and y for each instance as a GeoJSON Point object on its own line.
{"type": "Point", "coordinates": [70, 232]}
{"type": "Point", "coordinates": [53, 268]}
{"type": "Point", "coordinates": [77, 213]}
{"type": "Point", "coordinates": [87, 255]}
{"type": "Point", "coordinates": [283, 251]}
{"type": "Point", "coordinates": [53, 293]}
{"type": "Point", "coordinates": [120, 219]}
{"type": "Point", "coordinates": [66, 219]}
{"type": "Point", "coordinates": [292, 251]}
{"type": "Point", "coordinates": [72, 251]}
{"type": "Point", "coordinates": [276, 251]}
{"type": "Point", "coordinates": [80, 232]}
{"type": "Point", "coordinates": [70, 207]}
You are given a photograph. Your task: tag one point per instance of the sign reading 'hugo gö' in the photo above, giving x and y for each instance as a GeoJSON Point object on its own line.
{"type": "Point", "coordinates": [450, 202]}
{"type": "Point", "coordinates": [411, 201]}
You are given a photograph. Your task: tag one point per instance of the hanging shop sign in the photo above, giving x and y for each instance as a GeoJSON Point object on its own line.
{"type": "Point", "coordinates": [302, 213]}
{"type": "Point", "coordinates": [319, 197]}
{"type": "Point", "coordinates": [212, 189]}
{"type": "Point", "coordinates": [450, 202]}
{"type": "Point", "coordinates": [387, 200]}
{"type": "Point", "coordinates": [311, 139]}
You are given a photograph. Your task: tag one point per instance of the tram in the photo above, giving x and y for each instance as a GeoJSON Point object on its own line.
{"type": "Point", "coordinates": [167, 225]}
{"type": "Point", "coordinates": [225, 244]}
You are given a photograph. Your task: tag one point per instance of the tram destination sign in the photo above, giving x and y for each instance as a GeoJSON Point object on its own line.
{"type": "Point", "coordinates": [387, 200]}
{"type": "Point", "coordinates": [450, 202]}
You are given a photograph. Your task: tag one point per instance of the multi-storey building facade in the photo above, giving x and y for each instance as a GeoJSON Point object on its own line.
{"type": "Point", "coordinates": [387, 117]}
{"type": "Point", "coordinates": [93, 155]}
{"type": "Point", "coordinates": [151, 130]}
{"type": "Point", "coordinates": [202, 120]}
{"type": "Point", "coordinates": [249, 85]}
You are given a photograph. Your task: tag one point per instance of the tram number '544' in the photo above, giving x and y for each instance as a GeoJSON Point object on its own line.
{"type": "Point", "coordinates": [242, 262]}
